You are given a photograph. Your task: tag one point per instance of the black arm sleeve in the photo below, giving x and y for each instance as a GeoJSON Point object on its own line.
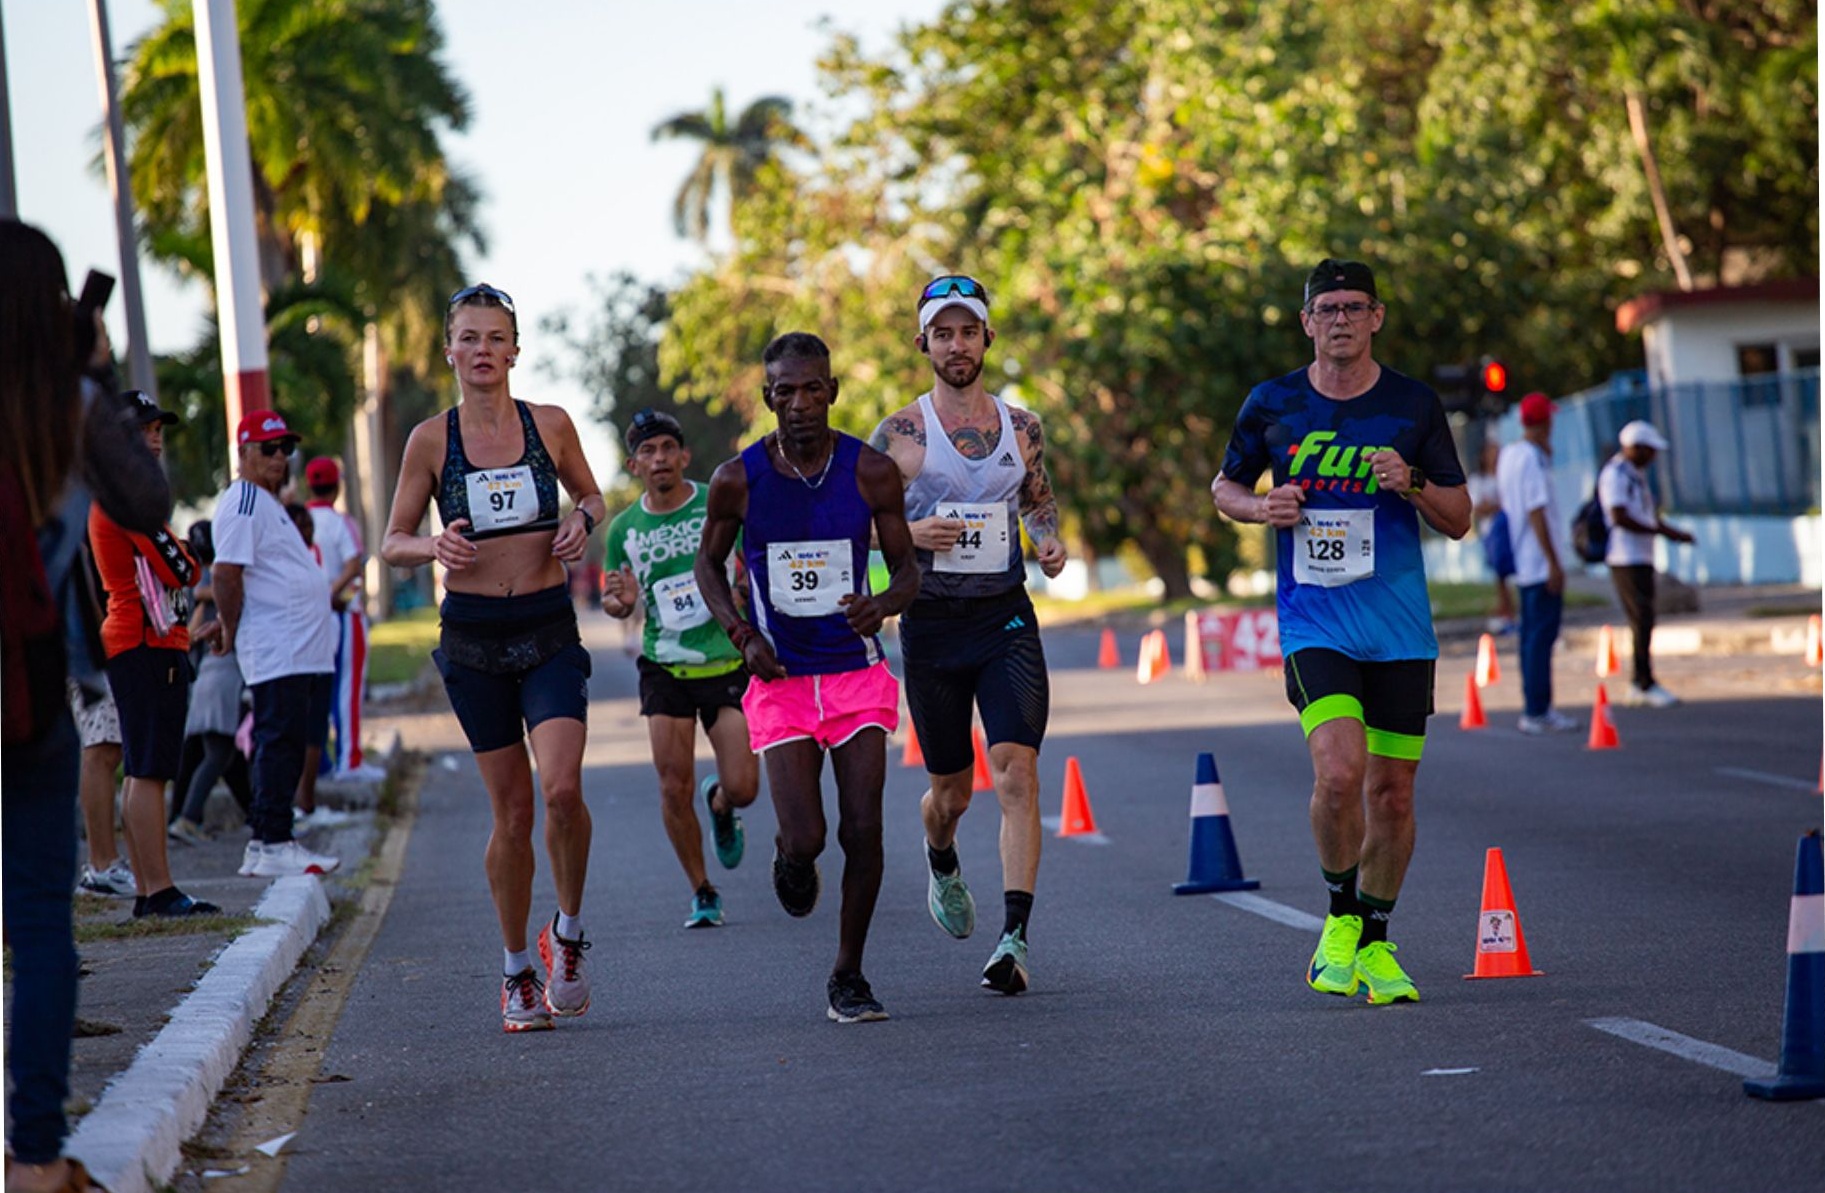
{"type": "Point", "coordinates": [126, 479]}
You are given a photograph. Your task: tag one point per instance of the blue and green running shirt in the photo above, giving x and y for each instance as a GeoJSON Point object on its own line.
{"type": "Point", "coordinates": [680, 636]}
{"type": "Point", "coordinates": [1351, 577]}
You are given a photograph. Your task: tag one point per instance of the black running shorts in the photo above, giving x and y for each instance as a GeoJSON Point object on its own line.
{"type": "Point", "coordinates": [663, 694]}
{"type": "Point", "coordinates": [1391, 699]}
{"type": "Point", "coordinates": [983, 652]}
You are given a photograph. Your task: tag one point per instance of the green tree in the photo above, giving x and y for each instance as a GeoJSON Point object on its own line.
{"type": "Point", "coordinates": [732, 154]}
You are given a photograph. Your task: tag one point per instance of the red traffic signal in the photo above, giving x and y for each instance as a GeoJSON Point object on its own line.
{"type": "Point", "coordinates": [1495, 376]}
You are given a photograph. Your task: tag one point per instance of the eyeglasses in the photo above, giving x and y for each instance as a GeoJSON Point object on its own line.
{"type": "Point", "coordinates": [953, 285]}
{"type": "Point", "coordinates": [484, 291]}
{"type": "Point", "coordinates": [1355, 312]}
{"type": "Point", "coordinates": [278, 447]}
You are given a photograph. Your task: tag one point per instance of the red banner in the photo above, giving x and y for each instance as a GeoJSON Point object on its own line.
{"type": "Point", "coordinates": [1239, 640]}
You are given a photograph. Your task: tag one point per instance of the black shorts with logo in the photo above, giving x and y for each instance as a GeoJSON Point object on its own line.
{"type": "Point", "coordinates": [663, 694]}
{"type": "Point", "coordinates": [974, 651]}
{"type": "Point", "coordinates": [1392, 699]}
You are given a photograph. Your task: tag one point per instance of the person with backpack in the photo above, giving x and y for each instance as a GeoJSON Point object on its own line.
{"type": "Point", "coordinates": [1524, 478]}
{"type": "Point", "coordinates": [1634, 522]}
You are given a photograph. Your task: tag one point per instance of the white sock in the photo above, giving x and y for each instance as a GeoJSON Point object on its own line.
{"type": "Point", "coordinates": [570, 927]}
{"type": "Point", "coordinates": [516, 963]}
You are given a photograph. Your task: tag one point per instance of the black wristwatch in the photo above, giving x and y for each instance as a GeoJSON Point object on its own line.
{"type": "Point", "coordinates": [1419, 479]}
{"type": "Point", "coordinates": [589, 523]}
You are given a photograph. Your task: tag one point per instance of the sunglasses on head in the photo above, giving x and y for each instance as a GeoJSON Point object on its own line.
{"type": "Point", "coordinates": [278, 447]}
{"type": "Point", "coordinates": [482, 290]}
{"type": "Point", "coordinates": [953, 285]}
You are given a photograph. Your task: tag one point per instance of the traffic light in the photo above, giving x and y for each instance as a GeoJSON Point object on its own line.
{"type": "Point", "coordinates": [1495, 375]}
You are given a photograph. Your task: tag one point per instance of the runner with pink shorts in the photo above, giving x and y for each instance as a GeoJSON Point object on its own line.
{"type": "Point", "coordinates": [804, 502]}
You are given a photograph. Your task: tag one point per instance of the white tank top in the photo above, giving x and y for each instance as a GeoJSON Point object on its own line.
{"type": "Point", "coordinates": [985, 495]}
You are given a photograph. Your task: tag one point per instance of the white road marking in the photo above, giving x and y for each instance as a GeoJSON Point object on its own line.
{"type": "Point", "coordinates": [1446, 1072]}
{"type": "Point", "coordinates": [1280, 913]}
{"type": "Point", "coordinates": [1685, 1047]}
{"type": "Point", "coordinates": [1762, 776]}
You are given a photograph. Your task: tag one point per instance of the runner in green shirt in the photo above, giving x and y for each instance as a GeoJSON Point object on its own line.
{"type": "Point", "coordinates": [688, 669]}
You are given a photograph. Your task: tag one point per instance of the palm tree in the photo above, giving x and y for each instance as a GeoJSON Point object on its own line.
{"type": "Point", "coordinates": [732, 154]}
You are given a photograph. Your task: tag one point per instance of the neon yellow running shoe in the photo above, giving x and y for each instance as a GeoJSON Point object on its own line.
{"type": "Point", "coordinates": [1382, 974]}
{"type": "Point", "coordinates": [1333, 969]}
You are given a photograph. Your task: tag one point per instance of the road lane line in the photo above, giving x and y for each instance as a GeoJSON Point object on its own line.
{"type": "Point", "coordinates": [1762, 776]}
{"type": "Point", "coordinates": [1280, 913]}
{"type": "Point", "coordinates": [1685, 1047]}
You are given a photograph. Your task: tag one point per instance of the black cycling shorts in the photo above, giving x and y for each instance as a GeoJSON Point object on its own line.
{"type": "Point", "coordinates": [496, 708]}
{"type": "Point", "coordinates": [151, 687]}
{"type": "Point", "coordinates": [983, 652]}
{"type": "Point", "coordinates": [663, 694]}
{"type": "Point", "coordinates": [1391, 699]}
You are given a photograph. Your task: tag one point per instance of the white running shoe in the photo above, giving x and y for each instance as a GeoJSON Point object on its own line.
{"type": "Point", "coordinates": [288, 858]}
{"type": "Point", "coordinates": [1551, 721]}
{"type": "Point", "coordinates": [523, 1003]}
{"type": "Point", "coordinates": [1658, 697]}
{"type": "Point", "coordinates": [250, 858]}
{"type": "Point", "coordinates": [116, 880]}
{"type": "Point", "coordinates": [568, 991]}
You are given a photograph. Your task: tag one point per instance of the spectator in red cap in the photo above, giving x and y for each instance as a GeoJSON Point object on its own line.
{"type": "Point", "coordinates": [338, 538]}
{"type": "Point", "coordinates": [274, 607]}
{"type": "Point", "coordinates": [1524, 479]}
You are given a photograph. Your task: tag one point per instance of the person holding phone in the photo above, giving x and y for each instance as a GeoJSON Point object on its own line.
{"type": "Point", "coordinates": [510, 655]}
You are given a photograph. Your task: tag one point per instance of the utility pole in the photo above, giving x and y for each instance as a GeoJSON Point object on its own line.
{"type": "Point", "coordinates": [9, 193]}
{"type": "Point", "coordinates": [239, 308]}
{"type": "Point", "coordinates": [133, 295]}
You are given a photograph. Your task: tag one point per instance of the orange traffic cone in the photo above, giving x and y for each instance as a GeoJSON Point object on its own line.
{"type": "Point", "coordinates": [1603, 730]}
{"type": "Point", "coordinates": [914, 754]}
{"type": "Point", "coordinates": [1076, 820]}
{"type": "Point", "coordinates": [1606, 653]}
{"type": "Point", "coordinates": [1162, 655]}
{"type": "Point", "coordinates": [982, 781]}
{"type": "Point", "coordinates": [1501, 949]}
{"type": "Point", "coordinates": [1194, 650]}
{"type": "Point", "coordinates": [1488, 669]}
{"type": "Point", "coordinates": [1473, 717]}
{"type": "Point", "coordinates": [1815, 645]}
{"type": "Point", "coordinates": [1107, 657]}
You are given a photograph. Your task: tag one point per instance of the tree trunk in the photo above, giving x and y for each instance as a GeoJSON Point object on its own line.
{"type": "Point", "coordinates": [1669, 235]}
{"type": "Point", "coordinates": [1167, 559]}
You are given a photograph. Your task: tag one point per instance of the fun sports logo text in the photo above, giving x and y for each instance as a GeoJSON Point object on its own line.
{"type": "Point", "coordinates": [1319, 464]}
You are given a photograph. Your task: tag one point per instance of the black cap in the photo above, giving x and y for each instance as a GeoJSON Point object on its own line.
{"type": "Point", "coordinates": [1332, 274]}
{"type": "Point", "coordinates": [649, 424]}
{"type": "Point", "coordinates": [139, 403]}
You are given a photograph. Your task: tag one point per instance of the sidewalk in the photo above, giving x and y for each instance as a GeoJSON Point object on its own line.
{"type": "Point", "coordinates": [164, 1018]}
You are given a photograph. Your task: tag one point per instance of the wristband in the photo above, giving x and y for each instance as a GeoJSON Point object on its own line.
{"type": "Point", "coordinates": [740, 634]}
{"type": "Point", "coordinates": [589, 523]}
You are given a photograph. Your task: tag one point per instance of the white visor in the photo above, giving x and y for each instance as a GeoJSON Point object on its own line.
{"type": "Point", "coordinates": [973, 305]}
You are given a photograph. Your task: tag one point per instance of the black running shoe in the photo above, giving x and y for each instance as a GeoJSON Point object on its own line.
{"type": "Point", "coordinates": [174, 905]}
{"type": "Point", "coordinates": [851, 1000]}
{"type": "Point", "coordinates": [796, 883]}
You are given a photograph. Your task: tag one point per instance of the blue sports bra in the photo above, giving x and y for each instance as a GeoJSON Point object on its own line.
{"type": "Point", "coordinates": [513, 499]}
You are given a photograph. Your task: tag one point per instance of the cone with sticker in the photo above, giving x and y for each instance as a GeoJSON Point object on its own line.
{"type": "Point", "coordinates": [1606, 652]}
{"type": "Point", "coordinates": [1603, 730]}
{"type": "Point", "coordinates": [1802, 1068]}
{"type": "Point", "coordinates": [1215, 865]}
{"type": "Point", "coordinates": [1194, 650]}
{"type": "Point", "coordinates": [1076, 820]}
{"type": "Point", "coordinates": [914, 754]}
{"type": "Point", "coordinates": [1488, 668]}
{"type": "Point", "coordinates": [1501, 949]}
{"type": "Point", "coordinates": [1107, 657]}
{"type": "Point", "coordinates": [982, 780]}
{"type": "Point", "coordinates": [1473, 717]}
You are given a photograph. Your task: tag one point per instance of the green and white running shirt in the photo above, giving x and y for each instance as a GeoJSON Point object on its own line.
{"type": "Point", "coordinates": [681, 636]}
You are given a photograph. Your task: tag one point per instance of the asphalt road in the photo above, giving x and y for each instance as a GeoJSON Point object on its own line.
{"type": "Point", "coordinates": [1168, 1042]}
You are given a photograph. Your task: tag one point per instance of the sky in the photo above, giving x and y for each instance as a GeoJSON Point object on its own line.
{"type": "Point", "coordinates": [564, 95]}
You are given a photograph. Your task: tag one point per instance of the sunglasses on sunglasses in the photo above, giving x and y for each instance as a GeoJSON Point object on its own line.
{"type": "Point", "coordinates": [483, 291]}
{"type": "Point", "coordinates": [278, 447]}
{"type": "Point", "coordinates": [953, 285]}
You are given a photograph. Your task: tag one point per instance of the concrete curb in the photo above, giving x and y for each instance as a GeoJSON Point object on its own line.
{"type": "Point", "coordinates": [131, 1140]}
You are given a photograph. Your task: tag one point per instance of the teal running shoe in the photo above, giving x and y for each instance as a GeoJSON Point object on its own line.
{"type": "Point", "coordinates": [1333, 969]}
{"type": "Point", "coordinates": [952, 906]}
{"type": "Point", "coordinates": [730, 838]}
{"type": "Point", "coordinates": [1006, 972]}
{"type": "Point", "coordinates": [1382, 974]}
{"type": "Point", "coordinates": [706, 908]}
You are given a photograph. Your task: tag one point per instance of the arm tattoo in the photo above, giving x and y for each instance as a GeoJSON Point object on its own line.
{"type": "Point", "coordinates": [1038, 505]}
{"type": "Point", "coordinates": [902, 426]}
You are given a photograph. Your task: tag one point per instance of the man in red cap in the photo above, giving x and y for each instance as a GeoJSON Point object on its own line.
{"type": "Point", "coordinates": [275, 610]}
{"type": "Point", "coordinates": [1524, 479]}
{"type": "Point", "coordinates": [344, 557]}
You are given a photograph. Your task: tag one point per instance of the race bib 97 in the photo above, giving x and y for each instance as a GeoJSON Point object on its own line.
{"type": "Point", "coordinates": [1332, 548]}
{"type": "Point", "coordinates": [808, 578]}
{"type": "Point", "coordinates": [982, 547]}
{"type": "Point", "coordinates": [502, 498]}
{"type": "Point", "coordinates": [679, 603]}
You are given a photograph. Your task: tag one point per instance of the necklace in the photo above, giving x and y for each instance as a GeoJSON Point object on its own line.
{"type": "Point", "coordinates": [822, 472]}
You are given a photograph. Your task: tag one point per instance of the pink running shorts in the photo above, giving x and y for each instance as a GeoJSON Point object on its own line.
{"type": "Point", "coordinates": [828, 709]}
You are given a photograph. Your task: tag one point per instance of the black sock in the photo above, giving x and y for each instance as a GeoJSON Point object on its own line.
{"type": "Point", "coordinates": [943, 861]}
{"type": "Point", "coordinates": [1343, 891]}
{"type": "Point", "coordinates": [1375, 913]}
{"type": "Point", "coordinates": [1019, 906]}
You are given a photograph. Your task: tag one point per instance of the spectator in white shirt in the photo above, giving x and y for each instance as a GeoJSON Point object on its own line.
{"type": "Point", "coordinates": [1524, 479]}
{"type": "Point", "coordinates": [1634, 521]}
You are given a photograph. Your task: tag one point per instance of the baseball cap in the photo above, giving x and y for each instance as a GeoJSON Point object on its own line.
{"type": "Point", "coordinates": [1536, 408]}
{"type": "Point", "coordinates": [262, 426]}
{"type": "Point", "coordinates": [1642, 433]}
{"type": "Point", "coordinates": [1332, 274]}
{"type": "Point", "coordinates": [322, 472]}
{"type": "Point", "coordinates": [650, 424]}
{"type": "Point", "coordinates": [953, 290]}
{"type": "Point", "coordinates": [144, 410]}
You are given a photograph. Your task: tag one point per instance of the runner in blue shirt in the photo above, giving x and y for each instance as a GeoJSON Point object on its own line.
{"type": "Point", "coordinates": [1359, 453]}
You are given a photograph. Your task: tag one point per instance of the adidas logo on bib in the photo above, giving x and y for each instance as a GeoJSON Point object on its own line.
{"type": "Point", "coordinates": [1006, 460]}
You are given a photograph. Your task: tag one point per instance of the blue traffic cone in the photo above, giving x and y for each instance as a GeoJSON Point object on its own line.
{"type": "Point", "coordinates": [1214, 863]}
{"type": "Point", "coordinates": [1802, 1069]}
